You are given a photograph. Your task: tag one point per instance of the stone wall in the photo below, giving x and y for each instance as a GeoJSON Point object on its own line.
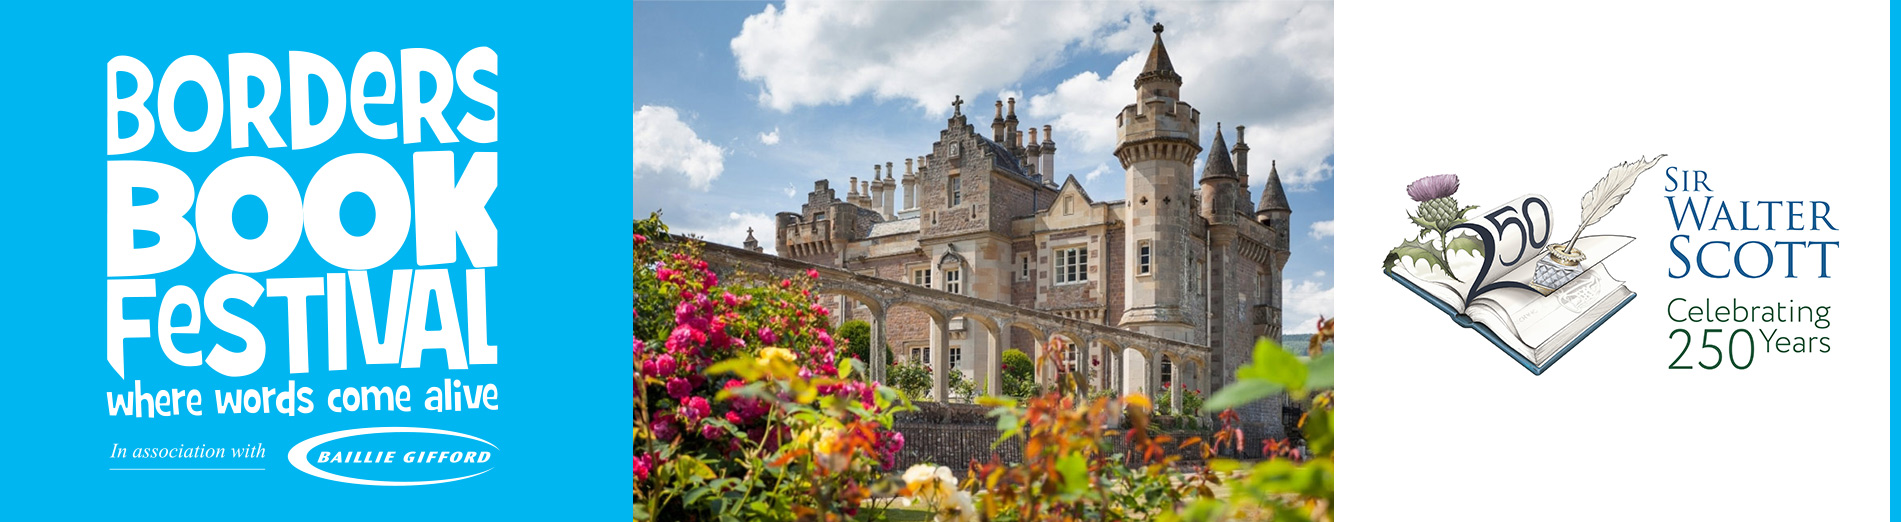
{"type": "Point", "coordinates": [953, 435]}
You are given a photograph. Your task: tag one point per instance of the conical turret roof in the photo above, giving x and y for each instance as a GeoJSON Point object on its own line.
{"type": "Point", "coordinates": [1218, 164]}
{"type": "Point", "coordinates": [1158, 66]}
{"type": "Point", "coordinates": [1273, 196]}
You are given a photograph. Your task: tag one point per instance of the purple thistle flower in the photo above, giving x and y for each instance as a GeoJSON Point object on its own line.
{"type": "Point", "coordinates": [1433, 187]}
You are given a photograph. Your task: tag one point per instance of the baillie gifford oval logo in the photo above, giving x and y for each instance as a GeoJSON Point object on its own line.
{"type": "Point", "coordinates": [393, 456]}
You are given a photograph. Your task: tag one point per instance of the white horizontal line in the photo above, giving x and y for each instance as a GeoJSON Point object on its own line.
{"type": "Point", "coordinates": [185, 469]}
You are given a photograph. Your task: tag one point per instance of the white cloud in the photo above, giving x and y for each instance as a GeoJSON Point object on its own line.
{"type": "Point", "coordinates": [1303, 305]}
{"type": "Point", "coordinates": [1101, 168]}
{"type": "Point", "coordinates": [1321, 229]}
{"type": "Point", "coordinates": [732, 230]}
{"type": "Point", "coordinates": [1277, 80]}
{"type": "Point", "coordinates": [1267, 65]}
{"type": "Point", "coordinates": [825, 53]}
{"type": "Point", "coordinates": [791, 191]}
{"type": "Point", "coordinates": [770, 138]}
{"type": "Point", "coordinates": [665, 147]}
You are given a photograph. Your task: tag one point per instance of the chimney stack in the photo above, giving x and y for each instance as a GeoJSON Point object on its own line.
{"type": "Point", "coordinates": [996, 125]}
{"type": "Point", "coordinates": [1048, 167]}
{"type": "Point", "coordinates": [889, 196]}
{"type": "Point", "coordinates": [1010, 125]}
{"type": "Point", "coordinates": [910, 184]}
{"type": "Point", "coordinates": [877, 187]}
{"type": "Point", "coordinates": [1033, 161]}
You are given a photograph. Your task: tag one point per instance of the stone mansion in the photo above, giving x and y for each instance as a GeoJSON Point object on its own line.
{"type": "Point", "coordinates": [983, 214]}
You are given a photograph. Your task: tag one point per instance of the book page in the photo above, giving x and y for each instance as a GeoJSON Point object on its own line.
{"type": "Point", "coordinates": [1537, 325]}
{"type": "Point", "coordinates": [1436, 282]}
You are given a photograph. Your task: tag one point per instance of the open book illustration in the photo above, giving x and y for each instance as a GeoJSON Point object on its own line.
{"type": "Point", "coordinates": [1502, 273]}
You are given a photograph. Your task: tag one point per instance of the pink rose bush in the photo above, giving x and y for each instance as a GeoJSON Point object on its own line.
{"type": "Point", "coordinates": [744, 407]}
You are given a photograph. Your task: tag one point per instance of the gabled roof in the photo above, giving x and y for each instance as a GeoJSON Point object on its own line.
{"type": "Point", "coordinates": [1069, 183]}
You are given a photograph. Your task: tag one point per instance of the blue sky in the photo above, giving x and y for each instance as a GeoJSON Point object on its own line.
{"type": "Point", "coordinates": [740, 106]}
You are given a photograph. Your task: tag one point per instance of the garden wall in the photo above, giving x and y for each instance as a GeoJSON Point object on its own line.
{"type": "Point", "coordinates": [955, 434]}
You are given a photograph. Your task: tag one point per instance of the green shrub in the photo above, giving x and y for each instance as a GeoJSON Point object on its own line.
{"type": "Point", "coordinates": [912, 379]}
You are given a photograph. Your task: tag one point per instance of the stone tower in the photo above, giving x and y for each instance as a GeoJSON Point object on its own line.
{"type": "Point", "coordinates": [1273, 212]}
{"type": "Point", "coordinates": [1158, 138]}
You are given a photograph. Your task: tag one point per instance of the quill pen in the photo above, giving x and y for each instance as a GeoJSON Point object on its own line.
{"type": "Point", "coordinates": [1610, 191]}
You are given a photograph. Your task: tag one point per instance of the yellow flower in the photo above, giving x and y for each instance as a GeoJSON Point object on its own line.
{"type": "Point", "coordinates": [827, 442]}
{"type": "Point", "coordinates": [771, 353]}
{"type": "Point", "coordinates": [825, 451]}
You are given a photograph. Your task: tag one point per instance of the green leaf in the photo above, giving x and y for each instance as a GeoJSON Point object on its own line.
{"type": "Point", "coordinates": [1465, 243]}
{"type": "Point", "coordinates": [1223, 465]}
{"type": "Point", "coordinates": [1427, 225]}
{"type": "Point", "coordinates": [1240, 393]}
{"type": "Point", "coordinates": [1320, 372]}
{"type": "Point", "coordinates": [710, 487]}
{"type": "Point", "coordinates": [756, 390]}
{"type": "Point", "coordinates": [1319, 431]}
{"type": "Point", "coordinates": [742, 367]}
{"type": "Point", "coordinates": [1273, 364]}
{"type": "Point", "coordinates": [1422, 252]}
{"type": "Point", "coordinates": [1075, 473]}
{"type": "Point", "coordinates": [844, 367]}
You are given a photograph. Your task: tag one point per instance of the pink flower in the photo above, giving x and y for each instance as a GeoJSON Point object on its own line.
{"type": "Point", "coordinates": [679, 389]}
{"type": "Point", "coordinates": [812, 273]}
{"type": "Point", "coordinates": [826, 338]}
{"type": "Point", "coordinates": [767, 336]}
{"type": "Point", "coordinates": [712, 431]}
{"type": "Point", "coordinates": [680, 341]}
{"type": "Point", "coordinates": [695, 408]}
{"type": "Point", "coordinates": [659, 366]}
{"type": "Point", "coordinates": [731, 300]}
{"type": "Point", "coordinates": [1433, 187]}
{"type": "Point", "coordinates": [639, 346]}
{"type": "Point", "coordinates": [664, 429]}
{"type": "Point", "coordinates": [663, 274]}
{"type": "Point", "coordinates": [640, 239]}
{"type": "Point", "coordinates": [643, 464]}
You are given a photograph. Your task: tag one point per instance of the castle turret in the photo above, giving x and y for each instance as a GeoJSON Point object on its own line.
{"type": "Point", "coordinates": [752, 243]}
{"type": "Point", "coordinates": [1273, 210]}
{"type": "Point", "coordinates": [1158, 138]}
{"type": "Point", "coordinates": [1220, 186]}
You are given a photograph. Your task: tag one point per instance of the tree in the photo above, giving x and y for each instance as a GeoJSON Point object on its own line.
{"type": "Point", "coordinates": [1019, 374]}
{"type": "Point", "coordinates": [857, 336]}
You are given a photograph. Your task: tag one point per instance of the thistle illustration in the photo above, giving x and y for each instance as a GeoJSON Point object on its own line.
{"type": "Point", "coordinates": [1438, 212]}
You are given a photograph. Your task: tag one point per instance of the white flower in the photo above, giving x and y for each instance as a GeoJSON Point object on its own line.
{"type": "Point", "coordinates": [930, 483]}
{"type": "Point", "coordinates": [958, 508]}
